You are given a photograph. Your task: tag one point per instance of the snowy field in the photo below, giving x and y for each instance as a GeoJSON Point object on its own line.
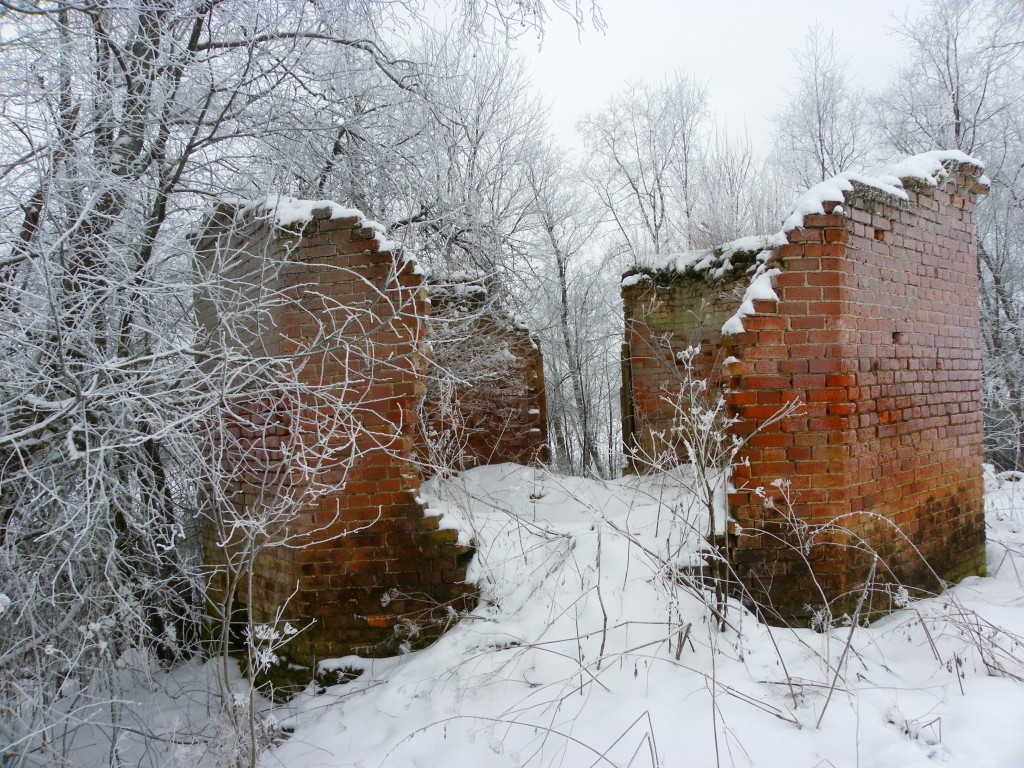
{"type": "Point", "coordinates": [587, 651]}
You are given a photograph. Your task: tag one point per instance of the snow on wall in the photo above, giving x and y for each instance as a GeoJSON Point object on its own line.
{"type": "Point", "coordinates": [928, 168]}
{"type": "Point", "coordinates": [867, 315]}
{"type": "Point", "coordinates": [292, 213]}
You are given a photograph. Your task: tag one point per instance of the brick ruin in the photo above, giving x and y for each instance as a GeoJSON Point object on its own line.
{"type": "Point", "coordinates": [872, 322]}
{"type": "Point", "coordinates": [485, 399]}
{"type": "Point", "coordinates": [328, 452]}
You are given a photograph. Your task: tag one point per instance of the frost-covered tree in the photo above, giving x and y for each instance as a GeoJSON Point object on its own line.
{"type": "Point", "coordinates": [644, 148]}
{"type": "Point", "coordinates": [120, 123]}
{"type": "Point", "coordinates": [576, 311]}
{"type": "Point", "coordinates": [440, 160]}
{"type": "Point", "coordinates": [740, 194]}
{"type": "Point", "coordinates": [465, 208]}
{"type": "Point", "coordinates": [823, 129]}
{"type": "Point", "coordinates": [958, 83]}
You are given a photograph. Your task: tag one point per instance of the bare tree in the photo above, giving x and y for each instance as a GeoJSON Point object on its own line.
{"type": "Point", "coordinates": [822, 130]}
{"type": "Point", "coordinates": [739, 194]}
{"type": "Point", "coordinates": [468, 209]}
{"type": "Point", "coordinates": [958, 84]}
{"type": "Point", "coordinates": [645, 146]}
{"type": "Point", "coordinates": [1000, 266]}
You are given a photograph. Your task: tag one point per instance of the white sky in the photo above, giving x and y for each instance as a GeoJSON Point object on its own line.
{"type": "Point", "coordinates": [742, 50]}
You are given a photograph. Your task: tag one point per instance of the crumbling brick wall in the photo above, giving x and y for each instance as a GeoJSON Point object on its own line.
{"type": "Point", "coordinates": [326, 446]}
{"type": "Point", "coordinates": [876, 331]}
{"type": "Point", "coordinates": [665, 316]}
{"type": "Point", "coordinates": [484, 400]}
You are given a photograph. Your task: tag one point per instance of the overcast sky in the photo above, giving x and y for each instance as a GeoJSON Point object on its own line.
{"type": "Point", "coordinates": [742, 50]}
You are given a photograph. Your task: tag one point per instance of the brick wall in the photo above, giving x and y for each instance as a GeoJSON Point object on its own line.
{"type": "Point", "coordinates": [321, 444]}
{"type": "Point", "coordinates": [876, 331]}
{"type": "Point", "coordinates": [485, 400]}
{"type": "Point", "coordinates": [665, 316]}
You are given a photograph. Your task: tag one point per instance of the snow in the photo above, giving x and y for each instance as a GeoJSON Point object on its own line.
{"type": "Point", "coordinates": [591, 648]}
{"type": "Point", "coordinates": [927, 168]}
{"type": "Point", "coordinates": [634, 279]}
{"type": "Point", "coordinates": [573, 657]}
{"type": "Point", "coordinates": [291, 212]}
{"type": "Point", "coordinates": [760, 289]}
{"type": "Point", "coordinates": [384, 243]}
{"type": "Point", "coordinates": [461, 285]}
{"type": "Point", "coordinates": [715, 262]}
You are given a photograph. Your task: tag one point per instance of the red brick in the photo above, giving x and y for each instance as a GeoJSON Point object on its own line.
{"type": "Point", "coordinates": [885, 426]}
{"type": "Point", "coordinates": [824, 221]}
{"type": "Point", "coordinates": [805, 236]}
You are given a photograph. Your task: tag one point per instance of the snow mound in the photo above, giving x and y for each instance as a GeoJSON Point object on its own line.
{"type": "Point", "coordinates": [594, 642]}
{"type": "Point", "coordinates": [595, 645]}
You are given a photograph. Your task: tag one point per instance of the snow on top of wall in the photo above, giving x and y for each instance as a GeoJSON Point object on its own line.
{"type": "Point", "coordinates": [290, 212]}
{"type": "Point", "coordinates": [929, 168]}
{"type": "Point", "coordinates": [468, 292]}
{"type": "Point", "coordinates": [926, 168]}
{"type": "Point", "coordinates": [633, 278]}
{"type": "Point", "coordinates": [714, 263]}
{"type": "Point", "coordinates": [384, 243]}
{"type": "Point", "coordinates": [458, 285]}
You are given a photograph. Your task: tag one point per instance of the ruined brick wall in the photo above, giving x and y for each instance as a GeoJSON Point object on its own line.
{"type": "Point", "coordinates": [876, 331]}
{"type": "Point", "coordinates": [664, 318]}
{"type": "Point", "coordinates": [326, 443]}
{"type": "Point", "coordinates": [484, 399]}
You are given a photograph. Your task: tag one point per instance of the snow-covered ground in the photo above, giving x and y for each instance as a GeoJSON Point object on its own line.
{"type": "Point", "coordinates": [574, 656]}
